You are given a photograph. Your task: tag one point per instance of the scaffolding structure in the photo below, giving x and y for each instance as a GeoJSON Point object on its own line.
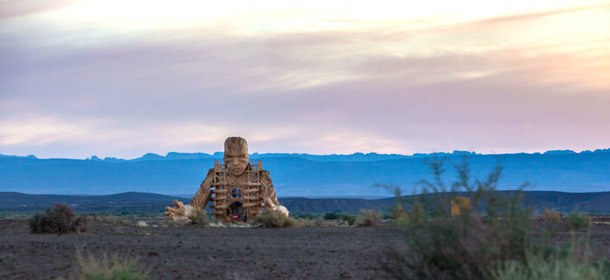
{"type": "Point", "coordinates": [234, 200]}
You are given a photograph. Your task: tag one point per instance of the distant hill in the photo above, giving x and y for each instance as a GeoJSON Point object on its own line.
{"type": "Point", "coordinates": [129, 201]}
{"type": "Point", "coordinates": [301, 174]}
{"type": "Point", "coordinates": [155, 203]}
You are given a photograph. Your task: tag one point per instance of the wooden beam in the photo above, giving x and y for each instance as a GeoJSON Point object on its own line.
{"type": "Point", "coordinates": [249, 191]}
{"type": "Point", "coordinates": [253, 204]}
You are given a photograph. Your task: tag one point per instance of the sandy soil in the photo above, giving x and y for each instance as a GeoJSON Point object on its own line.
{"type": "Point", "coordinates": [192, 252]}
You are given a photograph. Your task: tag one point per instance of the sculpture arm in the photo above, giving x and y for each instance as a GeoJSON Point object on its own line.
{"type": "Point", "coordinates": [197, 204]}
{"type": "Point", "coordinates": [269, 197]}
{"type": "Point", "coordinates": [267, 189]}
{"type": "Point", "coordinates": [202, 197]}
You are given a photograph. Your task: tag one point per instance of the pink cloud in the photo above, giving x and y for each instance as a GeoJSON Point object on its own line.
{"type": "Point", "coordinates": [490, 99]}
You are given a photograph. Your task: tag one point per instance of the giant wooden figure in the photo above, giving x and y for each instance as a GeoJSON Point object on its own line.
{"type": "Point", "coordinates": [237, 189]}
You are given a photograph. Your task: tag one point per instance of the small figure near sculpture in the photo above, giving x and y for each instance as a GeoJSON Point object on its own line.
{"type": "Point", "coordinates": [237, 189]}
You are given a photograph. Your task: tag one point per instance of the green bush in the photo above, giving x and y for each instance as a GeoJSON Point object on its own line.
{"type": "Point", "coordinates": [578, 221]}
{"type": "Point", "coordinates": [58, 219]}
{"type": "Point", "coordinates": [331, 216]}
{"type": "Point", "coordinates": [368, 218]}
{"type": "Point", "coordinates": [105, 268]}
{"type": "Point", "coordinates": [272, 219]}
{"type": "Point", "coordinates": [350, 219]}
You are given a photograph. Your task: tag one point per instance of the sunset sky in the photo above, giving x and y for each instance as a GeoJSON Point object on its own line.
{"type": "Point", "coordinates": [123, 78]}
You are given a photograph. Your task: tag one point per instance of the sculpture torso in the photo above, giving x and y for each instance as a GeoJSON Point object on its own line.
{"type": "Point", "coordinates": [236, 198]}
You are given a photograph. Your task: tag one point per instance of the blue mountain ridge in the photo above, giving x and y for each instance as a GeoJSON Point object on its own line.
{"type": "Point", "coordinates": [302, 174]}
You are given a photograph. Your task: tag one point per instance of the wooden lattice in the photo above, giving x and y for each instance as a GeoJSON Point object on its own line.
{"type": "Point", "coordinates": [237, 200]}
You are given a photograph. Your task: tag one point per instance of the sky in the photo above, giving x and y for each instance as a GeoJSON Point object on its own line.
{"type": "Point", "coordinates": [124, 78]}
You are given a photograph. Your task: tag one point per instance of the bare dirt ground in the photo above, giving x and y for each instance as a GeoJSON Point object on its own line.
{"type": "Point", "coordinates": [196, 252]}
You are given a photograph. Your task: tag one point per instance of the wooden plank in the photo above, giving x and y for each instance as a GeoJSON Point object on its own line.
{"type": "Point", "coordinates": [224, 183]}
{"type": "Point", "coordinates": [249, 191]}
{"type": "Point", "coordinates": [252, 204]}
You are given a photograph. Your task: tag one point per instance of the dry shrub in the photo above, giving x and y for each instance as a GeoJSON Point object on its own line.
{"type": "Point", "coordinates": [273, 219]}
{"type": "Point", "coordinates": [368, 218]}
{"type": "Point", "coordinates": [550, 216]}
{"type": "Point", "coordinates": [198, 216]}
{"type": "Point", "coordinates": [58, 219]}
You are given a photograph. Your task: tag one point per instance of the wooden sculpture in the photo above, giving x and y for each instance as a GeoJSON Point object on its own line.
{"type": "Point", "coordinates": [237, 189]}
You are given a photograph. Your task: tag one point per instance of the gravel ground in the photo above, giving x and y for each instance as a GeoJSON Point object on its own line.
{"type": "Point", "coordinates": [197, 252]}
{"type": "Point", "coordinates": [191, 252]}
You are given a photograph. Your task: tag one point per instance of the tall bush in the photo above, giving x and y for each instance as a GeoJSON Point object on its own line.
{"type": "Point", "coordinates": [465, 246]}
{"type": "Point", "coordinates": [489, 240]}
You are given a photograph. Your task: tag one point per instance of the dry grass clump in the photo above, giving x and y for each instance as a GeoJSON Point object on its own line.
{"type": "Point", "coordinates": [368, 218]}
{"type": "Point", "coordinates": [273, 219]}
{"type": "Point", "coordinates": [58, 219]}
{"type": "Point", "coordinates": [108, 268]}
{"type": "Point", "coordinates": [198, 216]}
{"type": "Point", "coordinates": [550, 216]}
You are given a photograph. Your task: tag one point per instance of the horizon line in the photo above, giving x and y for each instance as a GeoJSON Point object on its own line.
{"type": "Point", "coordinates": [219, 153]}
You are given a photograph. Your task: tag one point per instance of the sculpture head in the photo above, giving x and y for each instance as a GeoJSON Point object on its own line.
{"type": "Point", "coordinates": [236, 155]}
